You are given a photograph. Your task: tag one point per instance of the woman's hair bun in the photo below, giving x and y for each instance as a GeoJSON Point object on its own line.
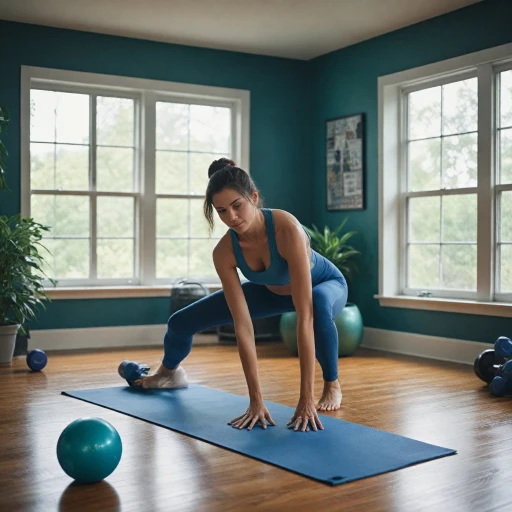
{"type": "Point", "coordinates": [219, 164]}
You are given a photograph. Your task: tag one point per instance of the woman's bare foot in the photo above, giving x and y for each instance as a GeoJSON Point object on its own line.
{"type": "Point", "coordinates": [164, 379]}
{"type": "Point", "coordinates": [331, 397]}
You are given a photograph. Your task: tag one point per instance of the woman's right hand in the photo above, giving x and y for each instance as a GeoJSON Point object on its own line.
{"type": "Point", "coordinates": [256, 412]}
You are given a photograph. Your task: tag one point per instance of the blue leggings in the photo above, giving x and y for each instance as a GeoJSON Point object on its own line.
{"type": "Point", "coordinates": [329, 298]}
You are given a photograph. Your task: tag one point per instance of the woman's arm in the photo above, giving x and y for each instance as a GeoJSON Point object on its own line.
{"type": "Point", "coordinates": [242, 321]}
{"type": "Point", "coordinates": [294, 248]}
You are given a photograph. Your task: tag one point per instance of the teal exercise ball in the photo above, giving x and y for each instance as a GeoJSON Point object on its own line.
{"type": "Point", "coordinates": [288, 330]}
{"type": "Point", "coordinates": [349, 324]}
{"type": "Point", "coordinates": [89, 449]}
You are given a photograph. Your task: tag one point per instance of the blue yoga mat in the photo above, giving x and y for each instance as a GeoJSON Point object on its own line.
{"type": "Point", "coordinates": [341, 453]}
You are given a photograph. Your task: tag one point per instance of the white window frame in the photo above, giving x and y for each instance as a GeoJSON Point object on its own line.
{"type": "Point", "coordinates": [392, 223]}
{"type": "Point", "coordinates": [146, 93]}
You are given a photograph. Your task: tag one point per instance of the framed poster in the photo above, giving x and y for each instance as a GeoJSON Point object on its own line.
{"type": "Point", "coordinates": [345, 163]}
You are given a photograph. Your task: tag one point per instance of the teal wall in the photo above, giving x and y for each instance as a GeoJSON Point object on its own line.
{"type": "Point", "coordinates": [279, 129]}
{"type": "Point", "coordinates": [346, 83]}
{"type": "Point", "coordinates": [290, 102]}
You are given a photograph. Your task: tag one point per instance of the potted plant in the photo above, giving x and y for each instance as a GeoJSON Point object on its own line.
{"type": "Point", "coordinates": [21, 273]}
{"type": "Point", "coordinates": [334, 246]}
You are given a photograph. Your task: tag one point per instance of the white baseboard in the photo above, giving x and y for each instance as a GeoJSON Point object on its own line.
{"type": "Point", "coordinates": [432, 347]}
{"type": "Point", "coordinates": [106, 337]}
{"type": "Point", "coordinates": [420, 345]}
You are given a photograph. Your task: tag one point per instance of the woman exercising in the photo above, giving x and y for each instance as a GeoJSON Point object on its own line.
{"type": "Point", "coordinates": [273, 252]}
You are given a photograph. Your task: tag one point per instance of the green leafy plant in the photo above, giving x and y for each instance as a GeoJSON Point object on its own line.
{"type": "Point", "coordinates": [21, 272]}
{"type": "Point", "coordinates": [333, 246]}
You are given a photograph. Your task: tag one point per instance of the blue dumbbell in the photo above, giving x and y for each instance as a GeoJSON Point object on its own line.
{"type": "Point", "coordinates": [500, 386]}
{"type": "Point", "coordinates": [502, 383]}
{"type": "Point", "coordinates": [503, 347]}
{"type": "Point", "coordinates": [132, 371]}
{"type": "Point", "coordinates": [36, 360]}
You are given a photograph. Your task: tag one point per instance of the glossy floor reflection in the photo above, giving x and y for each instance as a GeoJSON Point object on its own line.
{"type": "Point", "coordinates": [435, 402]}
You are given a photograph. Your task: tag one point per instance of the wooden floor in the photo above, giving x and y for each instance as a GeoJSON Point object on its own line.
{"type": "Point", "coordinates": [435, 402]}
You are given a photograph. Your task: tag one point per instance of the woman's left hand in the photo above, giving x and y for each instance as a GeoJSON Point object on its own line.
{"type": "Point", "coordinates": [305, 416]}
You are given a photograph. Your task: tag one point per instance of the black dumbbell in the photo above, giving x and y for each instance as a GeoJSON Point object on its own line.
{"type": "Point", "coordinates": [488, 365]}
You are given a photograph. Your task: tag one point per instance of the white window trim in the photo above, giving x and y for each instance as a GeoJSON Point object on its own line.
{"type": "Point", "coordinates": [391, 224]}
{"type": "Point", "coordinates": [151, 91]}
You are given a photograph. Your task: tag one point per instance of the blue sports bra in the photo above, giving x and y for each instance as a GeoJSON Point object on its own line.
{"type": "Point", "coordinates": [277, 274]}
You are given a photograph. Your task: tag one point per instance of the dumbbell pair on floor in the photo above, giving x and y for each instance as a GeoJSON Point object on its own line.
{"type": "Point", "coordinates": [494, 366]}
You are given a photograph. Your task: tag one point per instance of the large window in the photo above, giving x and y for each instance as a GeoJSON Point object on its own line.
{"type": "Point", "coordinates": [118, 169]}
{"type": "Point", "coordinates": [441, 191]}
{"type": "Point", "coordinates": [446, 185]}
{"type": "Point", "coordinates": [188, 138]}
{"type": "Point", "coordinates": [504, 183]}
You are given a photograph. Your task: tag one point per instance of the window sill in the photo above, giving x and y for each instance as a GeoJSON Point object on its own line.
{"type": "Point", "coordinates": [468, 307]}
{"type": "Point", "coordinates": [115, 292]}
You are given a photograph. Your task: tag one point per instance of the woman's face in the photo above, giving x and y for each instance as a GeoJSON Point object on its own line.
{"type": "Point", "coordinates": [234, 209]}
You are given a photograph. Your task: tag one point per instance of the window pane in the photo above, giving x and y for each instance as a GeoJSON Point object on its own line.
{"type": "Point", "coordinates": [220, 228]}
{"type": "Point", "coordinates": [42, 115]}
{"type": "Point", "coordinates": [425, 113]}
{"type": "Point", "coordinates": [69, 258]}
{"type": "Point", "coordinates": [505, 217]}
{"type": "Point", "coordinates": [42, 166]}
{"type": "Point", "coordinates": [116, 216]}
{"type": "Point", "coordinates": [115, 258]}
{"type": "Point", "coordinates": [198, 223]}
{"type": "Point", "coordinates": [114, 169]}
{"type": "Point", "coordinates": [506, 269]}
{"type": "Point", "coordinates": [424, 219]}
{"type": "Point", "coordinates": [506, 99]}
{"type": "Point", "coordinates": [459, 267]}
{"type": "Point", "coordinates": [172, 217]}
{"type": "Point", "coordinates": [425, 165]}
{"type": "Point", "coordinates": [172, 121]}
{"type": "Point", "coordinates": [201, 260]}
{"type": "Point", "coordinates": [505, 156]}
{"type": "Point", "coordinates": [424, 266]}
{"type": "Point", "coordinates": [171, 173]}
{"type": "Point", "coordinates": [460, 107]}
{"type": "Point", "coordinates": [210, 129]}
{"type": "Point", "coordinates": [459, 218]}
{"type": "Point", "coordinates": [72, 167]}
{"type": "Point", "coordinates": [114, 121]}
{"type": "Point", "coordinates": [171, 258]}
{"type": "Point", "coordinates": [72, 118]}
{"type": "Point", "coordinates": [460, 153]}
{"type": "Point", "coordinates": [199, 164]}
{"type": "Point", "coordinates": [67, 215]}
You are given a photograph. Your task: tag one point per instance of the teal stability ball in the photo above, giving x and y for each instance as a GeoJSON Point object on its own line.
{"type": "Point", "coordinates": [349, 324]}
{"type": "Point", "coordinates": [288, 330]}
{"type": "Point", "coordinates": [89, 449]}
{"type": "Point", "coordinates": [350, 329]}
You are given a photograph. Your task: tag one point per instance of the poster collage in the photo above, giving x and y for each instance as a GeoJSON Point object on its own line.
{"type": "Point", "coordinates": [345, 166]}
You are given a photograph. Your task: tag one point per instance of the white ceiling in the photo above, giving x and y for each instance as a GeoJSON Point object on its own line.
{"type": "Point", "coordinates": [299, 29]}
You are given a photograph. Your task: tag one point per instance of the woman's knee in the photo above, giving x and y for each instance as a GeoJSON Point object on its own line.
{"type": "Point", "coordinates": [178, 324]}
{"type": "Point", "coordinates": [327, 303]}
